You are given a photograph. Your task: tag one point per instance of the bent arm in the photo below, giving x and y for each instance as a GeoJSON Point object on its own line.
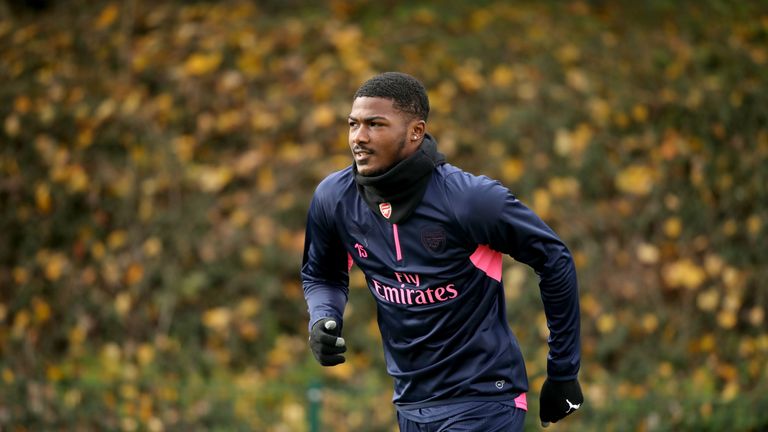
{"type": "Point", "coordinates": [324, 271]}
{"type": "Point", "coordinates": [509, 227]}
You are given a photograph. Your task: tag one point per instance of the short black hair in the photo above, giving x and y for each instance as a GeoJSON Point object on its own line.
{"type": "Point", "coordinates": [407, 93]}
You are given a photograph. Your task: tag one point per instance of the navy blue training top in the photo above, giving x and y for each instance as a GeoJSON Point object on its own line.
{"type": "Point", "coordinates": [437, 282]}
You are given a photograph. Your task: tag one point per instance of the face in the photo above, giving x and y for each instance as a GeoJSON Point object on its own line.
{"type": "Point", "coordinates": [380, 135]}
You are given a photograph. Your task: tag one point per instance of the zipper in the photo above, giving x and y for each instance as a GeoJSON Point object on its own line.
{"type": "Point", "coordinates": [398, 251]}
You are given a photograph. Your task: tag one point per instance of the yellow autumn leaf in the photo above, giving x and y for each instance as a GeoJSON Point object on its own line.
{"type": "Point", "coordinates": [132, 102]}
{"type": "Point", "coordinates": [20, 277]}
{"type": "Point", "coordinates": [134, 274]}
{"type": "Point", "coordinates": [606, 323]}
{"type": "Point", "coordinates": [599, 110]}
{"type": "Point", "coordinates": [116, 239]}
{"type": "Point", "coordinates": [469, 78]}
{"type": "Point", "coordinates": [41, 310]}
{"type": "Point", "coordinates": [731, 391]}
{"type": "Point", "coordinates": [650, 322]}
{"type": "Point", "coordinates": [514, 279]}
{"type": "Point", "coordinates": [77, 178]}
{"type": "Point", "coordinates": [20, 323]}
{"type": "Point", "coordinates": [442, 97]}
{"type": "Point", "coordinates": [54, 266]}
{"type": "Point", "coordinates": [647, 253]}
{"type": "Point", "coordinates": [726, 319]}
{"type": "Point", "coordinates": [248, 307]}
{"type": "Point", "coordinates": [199, 64]}
{"type": "Point", "coordinates": [713, 264]}
{"type": "Point", "coordinates": [77, 335]}
{"type": "Point", "coordinates": [562, 187]}
{"type": "Point", "coordinates": [145, 354]}
{"type": "Point", "coordinates": [251, 256]}
{"type": "Point", "coordinates": [72, 398]}
{"type": "Point", "coordinates": [499, 115]}
{"type": "Point", "coordinates": [8, 376]}
{"type": "Point", "coordinates": [568, 53]}
{"type": "Point", "coordinates": [107, 16]}
{"type": "Point", "coordinates": [323, 115]}
{"type": "Point", "coordinates": [346, 37]}
{"type": "Point", "coordinates": [673, 226]}
{"type": "Point", "coordinates": [541, 325]}
{"type": "Point", "coordinates": [263, 120]}
{"type": "Point", "coordinates": [213, 179]}
{"type": "Point", "coordinates": [621, 119]}
{"type": "Point", "coordinates": [754, 224]}
{"type": "Point", "coordinates": [512, 169]}
{"type": "Point", "coordinates": [708, 300]}
{"type": "Point", "coordinates": [666, 369]}
{"type": "Point", "coordinates": [542, 202]}
{"type": "Point", "coordinates": [43, 198]}
{"type": "Point", "coordinates": [85, 138]}
{"type": "Point", "coordinates": [250, 64]}
{"type": "Point", "coordinates": [22, 104]}
{"type": "Point", "coordinates": [294, 415]}
{"type": "Point", "coordinates": [636, 180]}
{"type": "Point", "coordinates": [228, 120]}
{"type": "Point", "coordinates": [98, 251]}
{"type": "Point", "coordinates": [573, 143]}
{"type": "Point", "coordinates": [54, 373]}
{"type": "Point", "coordinates": [732, 302]}
{"type": "Point", "coordinates": [683, 274]}
{"type": "Point", "coordinates": [577, 79]}
{"type": "Point", "coordinates": [342, 371]}
{"type": "Point", "coordinates": [640, 113]}
{"type": "Point", "coordinates": [266, 180]}
{"type": "Point", "coordinates": [502, 76]}
{"type": "Point", "coordinates": [756, 316]}
{"type": "Point", "coordinates": [106, 109]}
{"type": "Point", "coordinates": [184, 147]}
{"type": "Point", "coordinates": [152, 247]}
{"type": "Point", "coordinates": [12, 125]}
{"type": "Point", "coordinates": [217, 319]}
{"type": "Point", "coordinates": [733, 278]}
{"type": "Point", "coordinates": [123, 303]}
{"type": "Point", "coordinates": [111, 353]}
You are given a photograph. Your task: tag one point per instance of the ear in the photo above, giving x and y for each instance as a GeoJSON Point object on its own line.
{"type": "Point", "coordinates": [416, 130]}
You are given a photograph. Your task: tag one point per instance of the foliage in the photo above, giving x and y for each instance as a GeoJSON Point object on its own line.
{"type": "Point", "coordinates": [157, 160]}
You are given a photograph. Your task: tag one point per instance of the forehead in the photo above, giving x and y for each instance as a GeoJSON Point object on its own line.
{"type": "Point", "coordinates": [374, 106]}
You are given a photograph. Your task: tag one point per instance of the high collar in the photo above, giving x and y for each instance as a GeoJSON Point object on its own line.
{"type": "Point", "coordinates": [403, 185]}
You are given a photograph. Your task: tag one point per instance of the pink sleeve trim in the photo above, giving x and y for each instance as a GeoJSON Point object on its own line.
{"type": "Point", "coordinates": [521, 402]}
{"type": "Point", "coordinates": [487, 260]}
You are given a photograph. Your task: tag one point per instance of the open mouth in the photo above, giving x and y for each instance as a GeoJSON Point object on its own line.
{"type": "Point", "coordinates": [361, 154]}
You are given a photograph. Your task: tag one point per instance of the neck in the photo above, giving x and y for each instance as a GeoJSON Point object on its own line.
{"type": "Point", "coordinates": [403, 184]}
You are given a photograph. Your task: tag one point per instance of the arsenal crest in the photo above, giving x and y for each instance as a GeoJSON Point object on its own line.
{"type": "Point", "coordinates": [385, 209]}
{"type": "Point", "coordinates": [433, 238]}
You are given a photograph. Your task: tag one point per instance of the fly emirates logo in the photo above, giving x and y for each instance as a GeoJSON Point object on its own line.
{"type": "Point", "coordinates": [411, 296]}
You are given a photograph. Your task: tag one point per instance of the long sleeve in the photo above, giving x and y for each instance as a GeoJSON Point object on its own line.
{"type": "Point", "coordinates": [324, 270]}
{"type": "Point", "coordinates": [497, 219]}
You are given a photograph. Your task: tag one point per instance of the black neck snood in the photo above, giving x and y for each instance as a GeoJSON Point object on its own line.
{"type": "Point", "coordinates": [403, 186]}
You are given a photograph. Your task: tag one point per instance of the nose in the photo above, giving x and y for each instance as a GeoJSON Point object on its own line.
{"type": "Point", "coordinates": [359, 135]}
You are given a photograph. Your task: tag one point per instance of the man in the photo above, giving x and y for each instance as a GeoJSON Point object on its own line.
{"type": "Point", "coordinates": [429, 238]}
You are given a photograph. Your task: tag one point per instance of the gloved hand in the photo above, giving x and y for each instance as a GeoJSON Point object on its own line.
{"type": "Point", "coordinates": [559, 399]}
{"type": "Point", "coordinates": [325, 343]}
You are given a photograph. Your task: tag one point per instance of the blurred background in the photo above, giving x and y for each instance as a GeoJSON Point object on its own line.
{"type": "Point", "coordinates": [157, 159]}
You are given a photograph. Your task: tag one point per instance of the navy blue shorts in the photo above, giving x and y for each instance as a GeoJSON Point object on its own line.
{"type": "Point", "coordinates": [485, 417]}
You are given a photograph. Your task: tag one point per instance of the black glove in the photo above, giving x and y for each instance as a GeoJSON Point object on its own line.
{"type": "Point", "coordinates": [325, 342]}
{"type": "Point", "coordinates": [559, 399]}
